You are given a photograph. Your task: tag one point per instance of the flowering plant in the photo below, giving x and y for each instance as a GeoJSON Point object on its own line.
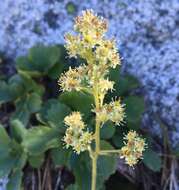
{"type": "Point", "coordinates": [99, 55]}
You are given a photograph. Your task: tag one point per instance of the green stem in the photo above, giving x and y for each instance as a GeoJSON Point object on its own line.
{"type": "Point", "coordinates": [97, 143]}
{"type": "Point", "coordinates": [106, 152]}
{"type": "Point", "coordinates": [97, 138]}
{"type": "Point", "coordinates": [94, 173]}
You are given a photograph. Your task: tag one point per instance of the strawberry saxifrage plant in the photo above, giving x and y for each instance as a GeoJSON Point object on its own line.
{"type": "Point", "coordinates": [99, 55]}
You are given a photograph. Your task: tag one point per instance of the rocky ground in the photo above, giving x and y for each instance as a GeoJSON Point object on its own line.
{"type": "Point", "coordinates": [148, 37]}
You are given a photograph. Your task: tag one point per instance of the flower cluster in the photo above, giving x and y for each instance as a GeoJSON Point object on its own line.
{"type": "Point", "coordinates": [100, 54]}
{"type": "Point", "coordinates": [75, 135]}
{"type": "Point", "coordinates": [133, 149]}
{"type": "Point", "coordinates": [73, 79]}
{"type": "Point", "coordinates": [90, 43]}
{"type": "Point", "coordinates": [90, 24]}
{"type": "Point", "coordinates": [113, 111]}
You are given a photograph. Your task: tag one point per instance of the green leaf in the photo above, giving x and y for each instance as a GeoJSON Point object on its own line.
{"type": "Point", "coordinates": [21, 113]}
{"type": "Point", "coordinates": [42, 115]}
{"type": "Point", "coordinates": [15, 180]}
{"type": "Point", "coordinates": [134, 107]}
{"type": "Point", "coordinates": [11, 90]}
{"type": "Point", "coordinates": [60, 156]}
{"type": "Point", "coordinates": [25, 106]}
{"type": "Point", "coordinates": [37, 160]}
{"type": "Point", "coordinates": [4, 138]}
{"type": "Point", "coordinates": [123, 84]}
{"type": "Point", "coordinates": [6, 165]}
{"type": "Point", "coordinates": [39, 139]}
{"type": "Point", "coordinates": [132, 81]}
{"type": "Point", "coordinates": [118, 140]}
{"type": "Point", "coordinates": [24, 67]}
{"type": "Point", "coordinates": [18, 86]}
{"type": "Point", "coordinates": [5, 92]}
{"type": "Point", "coordinates": [30, 85]}
{"type": "Point", "coordinates": [6, 162]}
{"type": "Point", "coordinates": [12, 154]}
{"type": "Point", "coordinates": [58, 68]}
{"type": "Point", "coordinates": [78, 101]}
{"type": "Point", "coordinates": [81, 168]}
{"type": "Point", "coordinates": [152, 160]}
{"type": "Point", "coordinates": [18, 130]}
{"type": "Point", "coordinates": [20, 160]}
{"type": "Point", "coordinates": [106, 165]}
{"type": "Point", "coordinates": [39, 60]}
{"type": "Point", "coordinates": [60, 110]}
{"type": "Point", "coordinates": [107, 130]}
{"type": "Point", "coordinates": [34, 102]}
{"type": "Point", "coordinates": [53, 113]}
{"type": "Point", "coordinates": [43, 58]}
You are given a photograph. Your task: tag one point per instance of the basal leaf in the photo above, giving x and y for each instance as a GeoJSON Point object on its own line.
{"type": "Point", "coordinates": [107, 130]}
{"type": "Point", "coordinates": [106, 165]}
{"type": "Point", "coordinates": [18, 130]}
{"type": "Point", "coordinates": [152, 160]}
{"type": "Point", "coordinates": [42, 58]}
{"type": "Point", "coordinates": [134, 107]}
{"type": "Point", "coordinates": [39, 139]}
{"type": "Point", "coordinates": [37, 160]}
{"type": "Point", "coordinates": [15, 180]}
{"type": "Point", "coordinates": [53, 113]}
{"type": "Point", "coordinates": [60, 156]}
{"type": "Point", "coordinates": [58, 68]}
{"type": "Point", "coordinates": [78, 101]}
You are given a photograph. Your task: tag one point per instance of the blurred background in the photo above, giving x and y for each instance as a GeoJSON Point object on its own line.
{"type": "Point", "coordinates": [147, 34]}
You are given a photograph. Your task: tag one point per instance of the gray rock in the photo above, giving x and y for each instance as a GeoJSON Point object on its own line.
{"type": "Point", "coordinates": [3, 183]}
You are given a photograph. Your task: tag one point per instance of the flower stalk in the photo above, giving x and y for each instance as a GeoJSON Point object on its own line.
{"type": "Point", "coordinates": [100, 54]}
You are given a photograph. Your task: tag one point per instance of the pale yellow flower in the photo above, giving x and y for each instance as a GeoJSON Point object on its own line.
{"type": "Point", "coordinates": [74, 120]}
{"type": "Point", "coordinates": [75, 136]}
{"type": "Point", "coordinates": [72, 79]}
{"type": "Point", "coordinates": [90, 24]}
{"type": "Point", "coordinates": [113, 111]}
{"type": "Point", "coordinates": [133, 148]}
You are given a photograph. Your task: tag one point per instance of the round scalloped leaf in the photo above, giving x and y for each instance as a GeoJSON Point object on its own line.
{"type": "Point", "coordinates": [152, 160]}
{"type": "Point", "coordinates": [39, 139]}
{"type": "Point", "coordinates": [123, 84]}
{"type": "Point", "coordinates": [18, 130]}
{"type": "Point", "coordinates": [134, 107]}
{"type": "Point", "coordinates": [39, 60]}
{"type": "Point", "coordinates": [107, 130]}
{"type": "Point", "coordinates": [60, 156]}
{"type": "Point", "coordinates": [37, 160]}
{"type": "Point", "coordinates": [78, 101]}
{"type": "Point", "coordinates": [106, 165]}
{"type": "Point", "coordinates": [53, 113]}
{"type": "Point", "coordinates": [58, 68]}
{"type": "Point", "coordinates": [15, 180]}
